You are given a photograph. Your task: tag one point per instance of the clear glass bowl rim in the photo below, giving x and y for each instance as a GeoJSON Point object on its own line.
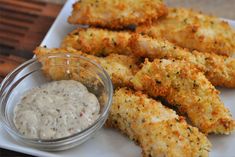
{"type": "Point", "coordinates": [103, 115]}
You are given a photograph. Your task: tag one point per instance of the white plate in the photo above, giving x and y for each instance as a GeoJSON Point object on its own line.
{"type": "Point", "coordinates": [108, 142]}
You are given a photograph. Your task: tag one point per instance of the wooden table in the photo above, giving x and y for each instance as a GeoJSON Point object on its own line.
{"type": "Point", "coordinates": [23, 25]}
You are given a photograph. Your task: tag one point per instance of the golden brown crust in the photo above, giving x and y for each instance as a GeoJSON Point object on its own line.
{"type": "Point", "coordinates": [51, 71]}
{"type": "Point", "coordinates": [185, 87]}
{"type": "Point", "coordinates": [99, 42]}
{"type": "Point", "coordinates": [119, 67]}
{"type": "Point", "coordinates": [194, 31]}
{"type": "Point", "coordinates": [116, 13]}
{"type": "Point", "coordinates": [157, 129]}
{"type": "Point", "coordinates": [219, 70]}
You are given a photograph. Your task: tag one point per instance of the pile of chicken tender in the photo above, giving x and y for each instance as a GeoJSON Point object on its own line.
{"type": "Point", "coordinates": [155, 54]}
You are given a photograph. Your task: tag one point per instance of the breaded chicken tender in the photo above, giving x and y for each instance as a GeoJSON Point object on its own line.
{"type": "Point", "coordinates": [119, 67]}
{"type": "Point", "coordinates": [116, 13]}
{"type": "Point", "coordinates": [156, 128]}
{"type": "Point", "coordinates": [99, 42]}
{"type": "Point", "coordinates": [193, 30]}
{"type": "Point", "coordinates": [219, 70]}
{"type": "Point", "coordinates": [186, 88]}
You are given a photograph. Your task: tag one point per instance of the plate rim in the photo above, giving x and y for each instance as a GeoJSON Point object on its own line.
{"type": "Point", "coordinates": [31, 151]}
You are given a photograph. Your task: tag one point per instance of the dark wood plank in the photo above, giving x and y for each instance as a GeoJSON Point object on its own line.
{"type": "Point", "coordinates": [8, 41]}
{"type": "Point", "coordinates": [14, 22]}
{"type": "Point", "coordinates": [8, 64]}
{"type": "Point", "coordinates": [51, 10]}
{"type": "Point", "coordinates": [24, 4]}
{"type": "Point", "coordinates": [23, 24]}
{"type": "Point", "coordinates": [17, 15]}
{"type": "Point", "coordinates": [4, 33]}
{"type": "Point", "coordinates": [23, 29]}
{"type": "Point", "coordinates": [48, 9]}
{"type": "Point", "coordinates": [11, 6]}
{"type": "Point", "coordinates": [35, 34]}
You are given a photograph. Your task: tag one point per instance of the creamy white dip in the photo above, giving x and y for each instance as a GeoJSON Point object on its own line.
{"type": "Point", "coordinates": [57, 109]}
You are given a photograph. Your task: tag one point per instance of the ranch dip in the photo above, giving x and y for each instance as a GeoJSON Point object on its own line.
{"type": "Point", "coordinates": [55, 110]}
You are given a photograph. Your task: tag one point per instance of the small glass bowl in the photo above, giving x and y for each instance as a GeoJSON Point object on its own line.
{"type": "Point", "coordinates": [57, 66]}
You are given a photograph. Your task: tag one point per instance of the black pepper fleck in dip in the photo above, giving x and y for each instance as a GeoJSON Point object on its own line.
{"type": "Point", "coordinates": [55, 110]}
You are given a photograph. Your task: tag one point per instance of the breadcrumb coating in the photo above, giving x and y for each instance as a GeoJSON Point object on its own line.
{"type": "Point", "coordinates": [99, 42]}
{"type": "Point", "coordinates": [120, 68]}
{"type": "Point", "coordinates": [156, 128]}
{"type": "Point", "coordinates": [186, 88]}
{"type": "Point", "coordinates": [219, 70]}
{"type": "Point", "coordinates": [193, 30]}
{"type": "Point", "coordinates": [116, 13]}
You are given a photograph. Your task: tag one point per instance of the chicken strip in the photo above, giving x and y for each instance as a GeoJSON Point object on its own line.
{"type": "Point", "coordinates": [119, 67]}
{"type": "Point", "coordinates": [193, 30]}
{"type": "Point", "coordinates": [186, 88]}
{"type": "Point", "coordinates": [219, 70]}
{"type": "Point", "coordinates": [116, 13]}
{"type": "Point", "coordinates": [99, 42]}
{"type": "Point", "coordinates": [157, 129]}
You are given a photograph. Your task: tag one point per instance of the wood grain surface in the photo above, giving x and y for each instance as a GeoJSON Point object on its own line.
{"type": "Point", "coordinates": [23, 24]}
